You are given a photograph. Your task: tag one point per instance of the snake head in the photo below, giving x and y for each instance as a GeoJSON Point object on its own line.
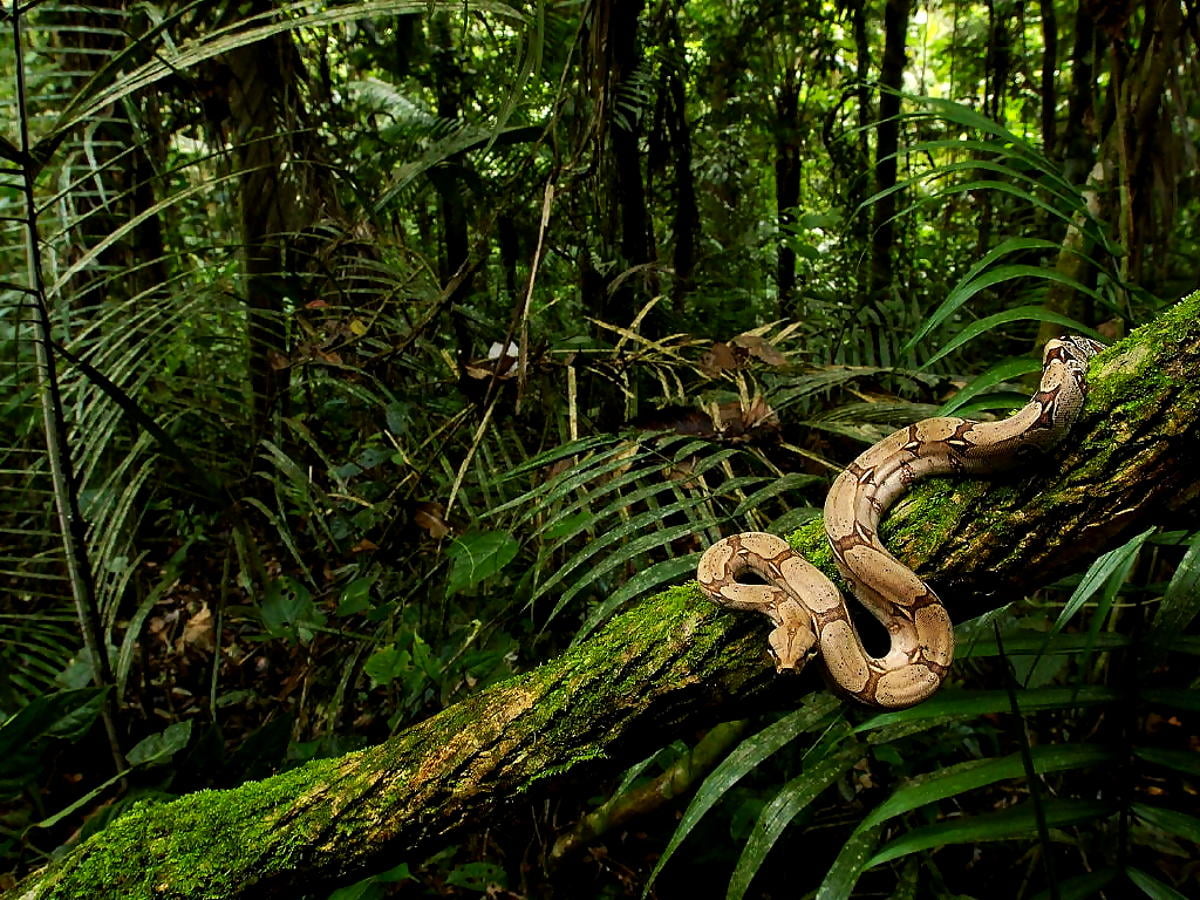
{"type": "Point", "coordinates": [791, 645]}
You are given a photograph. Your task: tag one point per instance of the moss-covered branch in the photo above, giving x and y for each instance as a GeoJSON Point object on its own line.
{"type": "Point", "coordinates": [669, 665]}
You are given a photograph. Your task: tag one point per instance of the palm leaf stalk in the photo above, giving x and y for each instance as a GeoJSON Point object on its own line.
{"type": "Point", "coordinates": [66, 499]}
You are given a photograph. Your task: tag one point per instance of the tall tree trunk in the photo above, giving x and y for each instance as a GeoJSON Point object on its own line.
{"type": "Point", "coordinates": [447, 177]}
{"type": "Point", "coordinates": [686, 220]}
{"type": "Point", "coordinates": [671, 664]}
{"type": "Point", "coordinates": [620, 54]}
{"type": "Point", "coordinates": [887, 142]}
{"type": "Point", "coordinates": [787, 180]}
{"type": "Point", "coordinates": [1079, 137]}
{"type": "Point", "coordinates": [275, 204]}
{"type": "Point", "coordinates": [1049, 87]}
{"type": "Point", "coordinates": [1124, 159]}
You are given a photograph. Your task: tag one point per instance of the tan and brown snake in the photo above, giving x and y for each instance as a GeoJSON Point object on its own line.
{"type": "Point", "coordinates": [809, 612]}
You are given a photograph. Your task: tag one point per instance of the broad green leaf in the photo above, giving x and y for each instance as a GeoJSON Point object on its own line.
{"type": "Point", "coordinates": [1080, 887]}
{"type": "Point", "coordinates": [1036, 643]}
{"type": "Point", "coordinates": [742, 760]}
{"type": "Point", "coordinates": [387, 664]}
{"type": "Point", "coordinates": [477, 876]}
{"type": "Point", "coordinates": [288, 610]}
{"type": "Point", "coordinates": [1151, 886]}
{"type": "Point", "coordinates": [478, 555]}
{"type": "Point", "coordinates": [1015, 823]}
{"type": "Point", "coordinates": [373, 888]}
{"type": "Point", "coordinates": [356, 597]}
{"type": "Point", "coordinates": [1177, 823]}
{"type": "Point", "coordinates": [1180, 605]}
{"type": "Point", "coordinates": [563, 526]}
{"type": "Point", "coordinates": [1186, 761]}
{"type": "Point", "coordinates": [791, 800]}
{"type": "Point", "coordinates": [159, 748]}
{"type": "Point", "coordinates": [1172, 698]}
{"type": "Point", "coordinates": [66, 715]}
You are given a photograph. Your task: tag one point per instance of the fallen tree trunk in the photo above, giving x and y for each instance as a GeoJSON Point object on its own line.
{"type": "Point", "coordinates": [669, 665]}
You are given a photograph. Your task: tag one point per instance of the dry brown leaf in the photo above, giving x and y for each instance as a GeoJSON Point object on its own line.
{"type": "Point", "coordinates": [720, 358]}
{"type": "Point", "coordinates": [432, 517]}
{"type": "Point", "coordinates": [198, 631]}
{"type": "Point", "coordinates": [760, 348]}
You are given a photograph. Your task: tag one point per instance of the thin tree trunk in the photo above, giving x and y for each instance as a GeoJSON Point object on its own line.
{"type": "Point", "coordinates": [671, 664]}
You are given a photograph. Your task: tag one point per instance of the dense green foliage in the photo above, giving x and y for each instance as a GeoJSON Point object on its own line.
{"type": "Point", "coordinates": [394, 346]}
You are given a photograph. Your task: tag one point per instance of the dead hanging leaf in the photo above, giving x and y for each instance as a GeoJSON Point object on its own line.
{"type": "Point", "coordinates": [684, 470]}
{"type": "Point", "coordinates": [502, 362]}
{"type": "Point", "coordinates": [726, 357]}
{"type": "Point", "coordinates": [760, 348]}
{"type": "Point", "coordinates": [431, 516]}
{"type": "Point", "coordinates": [719, 358]}
{"type": "Point", "coordinates": [1112, 330]}
{"type": "Point", "coordinates": [364, 546]}
{"type": "Point", "coordinates": [738, 423]}
{"type": "Point", "coordinates": [559, 466]}
{"type": "Point", "coordinates": [198, 631]}
{"type": "Point", "coordinates": [316, 304]}
{"type": "Point", "coordinates": [679, 419]}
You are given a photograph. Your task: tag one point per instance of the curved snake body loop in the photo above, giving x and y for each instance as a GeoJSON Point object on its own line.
{"type": "Point", "coordinates": [808, 611]}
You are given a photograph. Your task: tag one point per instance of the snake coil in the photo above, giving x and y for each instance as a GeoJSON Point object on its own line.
{"type": "Point", "coordinates": [809, 612]}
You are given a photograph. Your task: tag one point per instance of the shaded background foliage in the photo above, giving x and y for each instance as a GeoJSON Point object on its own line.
{"type": "Point", "coordinates": [378, 351]}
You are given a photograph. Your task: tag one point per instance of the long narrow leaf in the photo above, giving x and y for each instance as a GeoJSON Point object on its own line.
{"type": "Point", "coordinates": [792, 799]}
{"type": "Point", "coordinates": [1016, 823]}
{"type": "Point", "coordinates": [742, 760]}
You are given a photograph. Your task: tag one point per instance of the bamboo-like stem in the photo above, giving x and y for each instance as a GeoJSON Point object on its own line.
{"type": "Point", "coordinates": [62, 476]}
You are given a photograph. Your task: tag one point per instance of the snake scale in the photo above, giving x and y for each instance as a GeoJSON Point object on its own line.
{"type": "Point", "coordinates": [809, 612]}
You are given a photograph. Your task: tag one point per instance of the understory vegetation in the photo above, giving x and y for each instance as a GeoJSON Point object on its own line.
{"type": "Point", "coordinates": [356, 357]}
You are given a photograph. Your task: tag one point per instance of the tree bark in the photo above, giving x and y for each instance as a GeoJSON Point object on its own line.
{"type": "Point", "coordinates": [887, 142]}
{"type": "Point", "coordinates": [671, 664]}
{"type": "Point", "coordinates": [1136, 90]}
{"type": "Point", "coordinates": [787, 179]}
{"type": "Point", "coordinates": [1049, 88]}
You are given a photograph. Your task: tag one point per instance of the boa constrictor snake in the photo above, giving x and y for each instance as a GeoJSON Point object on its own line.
{"type": "Point", "coordinates": [808, 611]}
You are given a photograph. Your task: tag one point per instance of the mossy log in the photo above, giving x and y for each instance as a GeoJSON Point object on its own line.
{"type": "Point", "coordinates": [668, 666]}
